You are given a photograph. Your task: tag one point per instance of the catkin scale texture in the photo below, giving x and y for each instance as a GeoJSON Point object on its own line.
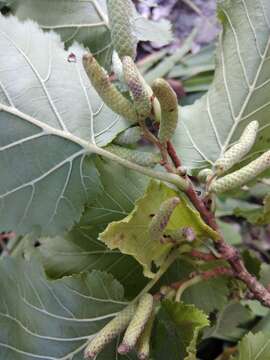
{"type": "Point", "coordinates": [120, 13]}
{"type": "Point", "coordinates": [239, 150]}
{"type": "Point", "coordinates": [139, 157]}
{"type": "Point", "coordinates": [162, 217]}
{"type": "Point", "coordinates": [109, 332]}
{"type": "Point", "coordinates": [106, 90]}
{"type": "Point", "coordinates": [169, 109]}
{"type": "Point", "coordinates": [138, 88]}
{"type": "Point", "coordinates": [143, 345]}
{"type": "Point", "coordinates": [137, 324]}
{"type": "Point", "coordinates": [242, 176]}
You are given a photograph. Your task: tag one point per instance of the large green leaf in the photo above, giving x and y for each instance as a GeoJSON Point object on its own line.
{"type": "Point", "coordinates": [254, 347]}
{"type": "Point", "coordinates": [177, 331]}
{"type": "Point", "coordinates": [52, 320]}
{"type": "Point", "coordinates": [240, 91]}
{"type": "Point", "coordinates": [231, 323]}
{"type": "Point", "coordinates": [82, 21]}
{"type": "Point", "coordinates": [80, 250]}
{"type": "Point", "coordinates": [47, 110]}
{"type": "Point", "coordinates": [131, 235]}
{"type": "Point", "coordinates": [85, 22]}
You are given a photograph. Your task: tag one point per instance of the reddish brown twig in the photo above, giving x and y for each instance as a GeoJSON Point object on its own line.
{"type": "Point", "coordinates": [173, 154]}
{"type": "Point", "coordinates": [202, 256]}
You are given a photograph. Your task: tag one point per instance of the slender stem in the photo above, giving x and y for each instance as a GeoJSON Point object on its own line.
{"type": "Point", "coordinates": [197, 278]}
{"type": "Point", "coordinates": [165, 266]}
{"type": "Point", "coordinates": [202, 255]}
{"type": "Point", "coordinates": [185, 285]}
{"type": "Point", "coordinates": [167, 177]}
{"type": "Point", "coordinates": [173, 154]}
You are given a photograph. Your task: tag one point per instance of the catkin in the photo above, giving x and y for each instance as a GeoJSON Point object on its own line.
{"type": "Point", "coordinates": [138, 88]}
{"type": "Point", "coordinates": [239, 150]}
{"type": "Point", "coordinates": [169, 109]}
{"type": "Point", "coordinates": [139, 157]}
{"type": "Point", "coordinates": [109, 332]}
{"type": "Point", "coordinates": [161, 219]}
{"type": "Point", "coordinates": [137, 324]}
{"type": "Point", "coordinates": [242, 176]}
{"type": "Point", "coordinates": [108, 91]}
{"type": "Point", "coordinates": [129, 137]}
{"type": "Point", "coordinates": [120, 13]}
{"type": "Point", "coordinates": [143, 345]}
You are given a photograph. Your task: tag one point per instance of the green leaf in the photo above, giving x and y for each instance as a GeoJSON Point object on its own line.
{"type": "Point", "coordinates": [259, 216]}
{"type": "Point", "coordinates": [177, 331]}
{"type": "Point", "coordinates": [230, 323]}
{"type": "Point", "coordinates": [82, 21]}
{"type": "Point", "coordinates": [130, 235]}
{"type": "Point", "coordinates": [240, 90]}
{"type": "Point", "coordinates": [254, 347]}
{"type": "Point", "coordinates": [52, 320]}
{"type": "Point", "coordinates": [80, 250]}
{"type": "Point", "coordinates": [48, 116]}
{"type": "Point", "coordinates": [86, 22]}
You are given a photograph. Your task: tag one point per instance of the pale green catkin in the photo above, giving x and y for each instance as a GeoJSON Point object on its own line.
{"type": "Point", "coordinates": [106, 90]}
{"type": "Point", "coordinates": [121, 17]}
{"type": "Point", "coordinates": [161, 219]}
{"type": "Point", "coordinates": [143, 345]}
{"type": "Point", "coordinates": [169, 109]}
{"type": "Point", "coordinates": [129, 137]}
{"type": "Point", "coordinates": [242, 176]}
{"type": "Point", "coordinates": [138, 157]}
{"type": "Point", "coordinates": [109, 332]}
{"type": "Point", "coordinates": [137, 324]}
{"type": "Point", "coordinates": [138, 88]}
{"type": "Point", "coordinates": [204, 175]}
{"type": "Point", "coordinates": [239, 150]}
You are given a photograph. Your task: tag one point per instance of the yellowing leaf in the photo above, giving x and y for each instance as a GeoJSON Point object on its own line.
{"type": "Point", "coordinates": [130, 235]}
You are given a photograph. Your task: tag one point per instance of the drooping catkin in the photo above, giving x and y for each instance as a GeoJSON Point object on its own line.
{"type": "Point", "coordinates": [143, 345]}
{"type": "Point", "coordinates": [120, 13]}
{"type": "Point", "coordinates": [169, 109]}
{"type": "Point", "coordinates": [109, 332]}
{"type": "Point", "coordinates": [106, 90]}
{"type": "Point", "coordinates": [139, 89]}
{"type": "Point", "coordinates": [239, 150]}
{"type": "Point", "coordinates": [137, 324]}
{"type": "Point", "coordinates": [142, 158]}
{"type": "Point", "coordinates": [161, 219]}
{"type": "Point", "coordinates": [242, 176]}
{"type": "Point", "coordinates": [129, 137]}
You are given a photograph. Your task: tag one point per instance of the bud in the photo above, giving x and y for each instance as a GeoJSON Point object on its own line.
{"type": "Point", "coordinates": [129, 137]}
{"type": "Point", "coordinates": [106, 90]}
{"type": "Point", "coordinates": [162, 217]}
{"type": "Point", "coordinates": [109, 332]}
{"type": "Point", "coordinates": [121, 17]}
{"type": "Point", "coordinates": [204, 175]}
{"type": "Point", "coordinates": [242, 176]}
{"type": "Point", "coordinates": [169, 109]}
{"type": "Point", "coordinates": [239, 150]}
{"type": "Point", "coordinates": [138, 88]}
{"type": "Point", "coordinates": [142, 158]}
{"type": "Point", "coordinates": [137, 324]}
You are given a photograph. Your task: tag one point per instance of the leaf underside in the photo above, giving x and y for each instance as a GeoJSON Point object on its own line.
{"type": "Point", "coordinates": [240, 92]}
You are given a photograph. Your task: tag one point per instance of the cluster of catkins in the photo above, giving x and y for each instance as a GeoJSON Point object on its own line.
{"type": "Point", "coordinates": [138, 317]}
{"type": "Point", "coordinates": [137, 321]}
{"type": "Point", "coordinates": [158, 103]}
{"type": "Point", "coordinates": [218, 182]}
